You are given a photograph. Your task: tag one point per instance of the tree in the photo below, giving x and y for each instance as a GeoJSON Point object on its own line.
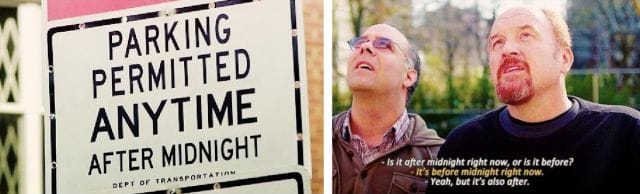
{"type": "Point", "coordinates": [606, 34]}
{"type": "Point", "coordinates": [459, 37]}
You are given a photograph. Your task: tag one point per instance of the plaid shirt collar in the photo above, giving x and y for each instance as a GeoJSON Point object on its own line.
{"type": "Point", "coordinates": [398, 129]}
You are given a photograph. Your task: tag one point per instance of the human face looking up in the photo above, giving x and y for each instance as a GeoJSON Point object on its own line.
{"type": "Point", "coordinates": [378, 62]}
{"type": "Point", "coordinates": [380, 43]}
{"type": "Point", "coordinates": [524, 56]}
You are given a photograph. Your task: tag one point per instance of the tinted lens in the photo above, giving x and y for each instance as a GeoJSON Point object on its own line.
{"type": "Point", "coordinates": [382, 43]}
{"type": "Point", "coordinates": [356, 42]}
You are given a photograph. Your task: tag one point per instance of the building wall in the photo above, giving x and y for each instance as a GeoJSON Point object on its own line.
{"type": "Point", "coordinates": [313, 32]}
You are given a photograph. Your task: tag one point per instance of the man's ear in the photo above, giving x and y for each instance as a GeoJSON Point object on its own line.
{"type": "Point", "coordinates": [412, 77]}
{"type": "Point", "coordinates": [567, 59]}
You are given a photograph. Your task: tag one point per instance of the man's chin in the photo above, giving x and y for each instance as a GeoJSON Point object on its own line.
{"type": "Point", "coordinates": [359, 86]}
{"type": "Point", "coordinates": [514, 97]}
{"type": "Point", "coordinates": [516, 101]}
{"type": "Point", "coordinates": [514, 91]}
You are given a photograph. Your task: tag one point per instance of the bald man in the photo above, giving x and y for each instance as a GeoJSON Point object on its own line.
{"type": "Point", "coordinates": [593, 147]}
{"type": "Point", "coordinates": [376, 133]}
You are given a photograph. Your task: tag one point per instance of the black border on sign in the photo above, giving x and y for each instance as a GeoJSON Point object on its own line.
{"type": "Point", "coordinates": [200, 7]}
{"type": "Point", "coordinates": [243, 182]}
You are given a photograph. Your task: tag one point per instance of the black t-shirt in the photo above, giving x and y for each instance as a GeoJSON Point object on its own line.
{"type": "Point", "coordinates": [601, 142]}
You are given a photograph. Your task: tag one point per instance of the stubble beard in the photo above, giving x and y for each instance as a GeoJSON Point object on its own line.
{"type": "Point", "coordinates": [512, 90]}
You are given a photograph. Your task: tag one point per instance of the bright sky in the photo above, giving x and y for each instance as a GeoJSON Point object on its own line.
{"type": "Point", "coordinates": [487, 6]}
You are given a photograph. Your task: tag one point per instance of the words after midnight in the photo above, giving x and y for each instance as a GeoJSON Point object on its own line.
{"type": "Point", "coordinates": [169, 58]}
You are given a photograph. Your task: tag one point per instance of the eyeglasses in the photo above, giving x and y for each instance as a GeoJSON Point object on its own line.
{"type": "Point", "coordinates": [378, 43]}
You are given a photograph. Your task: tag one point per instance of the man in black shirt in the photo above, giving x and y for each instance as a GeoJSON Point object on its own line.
{"type": "Point", "coordinates": [593, 147]}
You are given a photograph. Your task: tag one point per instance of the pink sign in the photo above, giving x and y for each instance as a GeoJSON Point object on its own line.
{"type": "Point", "coordinates": [60, 9]}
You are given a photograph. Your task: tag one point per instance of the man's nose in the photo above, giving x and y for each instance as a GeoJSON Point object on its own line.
{"type": "Point", "coordinates": [367, 48]}
{"type": "Point", "coordinates": [510, 48]}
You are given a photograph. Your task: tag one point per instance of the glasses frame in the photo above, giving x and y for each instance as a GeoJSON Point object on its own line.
{"type": "Point", "coordinates": [379, 43]}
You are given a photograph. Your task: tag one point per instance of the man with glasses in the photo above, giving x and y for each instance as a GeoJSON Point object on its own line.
{"type": "Point", "coordinates": [377, 145]}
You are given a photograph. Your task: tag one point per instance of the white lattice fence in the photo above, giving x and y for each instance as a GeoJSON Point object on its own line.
{"type": "Point", "coordinates": [9, 166]}
{"type": "Point", "coordinates": [10, 172]}
{"type": "Point", "coordinates": [9, 87]}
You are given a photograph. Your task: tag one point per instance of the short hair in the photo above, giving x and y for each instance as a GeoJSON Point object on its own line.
{"type": "Point", "coordinates": [560, 27]}
{"type": "Point", "coordinates": [414, 61]}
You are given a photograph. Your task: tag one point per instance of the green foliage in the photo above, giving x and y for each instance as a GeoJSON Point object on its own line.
{"type": "Point", "coordinates": [476, 96]}
{"type": "Point", "coordinates": [341, 99]}
{"type": "Point", "coordinates": [444, 122]}
{"type": "Point", "coordinates": [580, 86]}
{"type": "Point", "coordinates": [614, 90]}
{"type": "Point", "coordinates": [619, 89]}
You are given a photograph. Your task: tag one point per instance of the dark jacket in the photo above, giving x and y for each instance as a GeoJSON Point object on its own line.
{"type": "Point", "coordinates": [601, 144]}
{"type": "Point", "coordinates": [350, 175]}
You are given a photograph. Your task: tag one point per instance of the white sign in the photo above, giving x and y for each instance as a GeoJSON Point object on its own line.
{"type": "Point", "coordinates": [174, 95]}
{"type": "Point", "coordinates": [291, 180]}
